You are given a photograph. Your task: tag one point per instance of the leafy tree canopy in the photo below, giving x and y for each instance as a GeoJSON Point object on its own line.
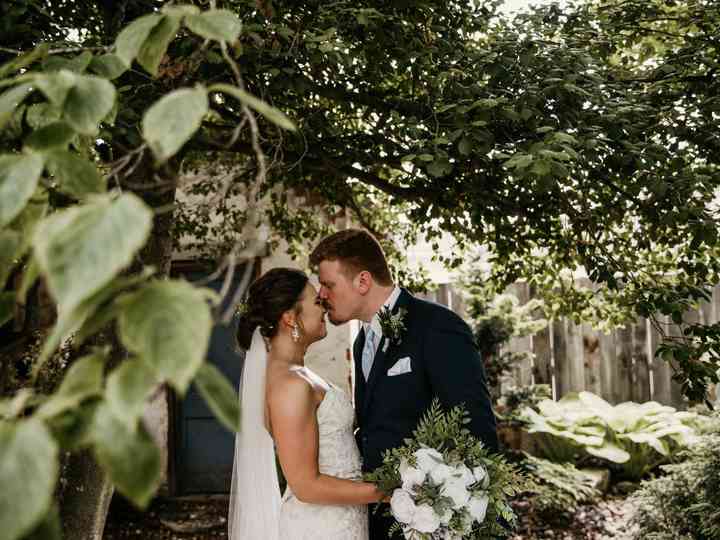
{"type": "Point", "coordinates": [581, 136]}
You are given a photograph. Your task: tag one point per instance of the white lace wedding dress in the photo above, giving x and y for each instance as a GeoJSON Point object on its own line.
{"type": "Point", "coordinates": [338, 456]}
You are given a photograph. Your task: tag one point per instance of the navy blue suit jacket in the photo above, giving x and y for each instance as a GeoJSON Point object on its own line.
{"type": "Point", "coordinates": [445, 364]}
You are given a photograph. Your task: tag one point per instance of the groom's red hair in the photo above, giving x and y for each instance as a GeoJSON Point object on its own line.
{"type": "Point", "coordinates": [357, 250]}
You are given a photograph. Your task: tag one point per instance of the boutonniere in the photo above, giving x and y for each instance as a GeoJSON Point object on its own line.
{"type": "Point", "coordinates": [393, 325]}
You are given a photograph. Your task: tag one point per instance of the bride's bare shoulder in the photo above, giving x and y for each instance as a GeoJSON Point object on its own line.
{"type": "Point", "coordinates": [290, 390]}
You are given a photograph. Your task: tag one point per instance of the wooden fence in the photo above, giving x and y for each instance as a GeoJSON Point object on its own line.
{"type": "Point", "coordinates": [619, 366]}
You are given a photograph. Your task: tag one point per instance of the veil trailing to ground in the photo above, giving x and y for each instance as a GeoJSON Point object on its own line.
{"type": "Point", "coordinates": [254, 512]}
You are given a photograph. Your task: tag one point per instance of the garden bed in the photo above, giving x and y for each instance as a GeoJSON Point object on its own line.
{"type": "Point", "coordinates": [206, 517]}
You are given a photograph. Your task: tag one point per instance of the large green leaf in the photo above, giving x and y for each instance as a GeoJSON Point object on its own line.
{"type": "Point", "coordinates": [75, 176]}
{"type": "Point", "coordinates": [128, 387]}
{"type": "Point", "coordinates": [42, 114]}
{"type": "Point", "coordinates": [83, 380]}
{"type": "Point", "coordinates": [173, 119]}
{"type": "Point", "coordinates": [651, 440]}
{"type": "Point", "coordinates": [131, 39]}
{"type": "Point", "coordinates": [220, 396]}
{"type": "Point", "coordinates": [72, 428]}
{"type": "Point", "coordinates": [81, 249]}
{"type": "Point", "coordinates": [167, 324]}
{"type": "Point", "coordinates": [153, 49]}
{"type": "Point", "coordinates": [109, 66]}
{"type": "Point", "coordinates": [180, 9]}
{"type": "Point", "coordinates": [85, 319]}
{"type": "Point", "coordinates": [608, 451]}
{"type": "Point", "coordinates": [52, 135]}
{"type": "Point", "coordinates": [129, 456]}
{"type": "Point", "coordinates": [11, 99]}
{"type": "Point", "coordinates": [107, 311]}
{"type": "Point", "coordinates": [268, 111]}
{"type": "Point", "coordinates": [596, 404]}
{"type": "Point", "coordinates": [28, 472]}
{"type": "Point", "coordinates": [19, 175]}
{"type": "Point", "coordinates": [56, 86]}
{"type": "Point", "coordinates": [49, 528]}
{"type": "Point", "coordinates": [88, 102]}
{"type": "Point", "coordinates": [217, 24]}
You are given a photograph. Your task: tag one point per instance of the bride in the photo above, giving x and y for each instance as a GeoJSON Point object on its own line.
{"type": "Point", "coordinates": [287, 408]}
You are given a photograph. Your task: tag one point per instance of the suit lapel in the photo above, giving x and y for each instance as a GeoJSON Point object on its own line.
{"type": "Point", "coordinates": [383, 355]}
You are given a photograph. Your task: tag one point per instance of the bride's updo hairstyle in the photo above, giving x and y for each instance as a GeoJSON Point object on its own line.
{"type": "Point", "coordinates": [272, 294]}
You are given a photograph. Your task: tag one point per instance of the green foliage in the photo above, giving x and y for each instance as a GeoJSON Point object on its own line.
{"type": "Point", "coordinates": [60, 222]}
{"type": "Point", "coordinates": [82, 381]}
{"type": "Point", "coordinates": [129, 456]}
{"type": "Point", "coordinates": [683, 502]}
{"type": "Point", "coordinates": [218, 24]}
{"type": "Point", "coordinates": [516, 398]}
{"type": "Point", "coordinates": [165, 130]}
{"type": "Point", "coordinates": [634, 438]}
{"type": "Point", "coordinates": [28, 472]}
{"type": "Point", "coordinates": [219, 395]}
{"type": "Point", "coordinates": [557, 488]}
{"type": "Point", "coordinates": [496, 319]}
{"type": "Point", "coordinates": [128, 386]}
{"type": "Point", "coordinates": [18, 180]}
{"type": "Point", "coordinates": [272, 114]}
{"type": "Point", "coordinates": [587, 141]}
{"type": "Point", "coordinates": [167, 324]}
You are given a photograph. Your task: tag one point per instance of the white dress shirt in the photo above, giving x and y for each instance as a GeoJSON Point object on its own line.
{"type": "Point", "coordinates": [375, 321]}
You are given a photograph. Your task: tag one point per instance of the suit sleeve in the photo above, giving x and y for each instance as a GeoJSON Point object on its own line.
{"type": "Point", "coordinates": [457, 374]}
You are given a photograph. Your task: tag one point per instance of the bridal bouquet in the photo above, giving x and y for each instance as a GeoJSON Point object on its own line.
{"type": "Point", "coordinates": [445, 485]}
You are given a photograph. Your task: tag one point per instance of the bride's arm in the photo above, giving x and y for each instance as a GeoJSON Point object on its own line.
{"type": "Point", "coordinates": [295, 430]}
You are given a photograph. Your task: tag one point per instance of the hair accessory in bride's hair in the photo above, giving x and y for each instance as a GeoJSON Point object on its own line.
{"type": "Point", "coordinates": [242, 308]}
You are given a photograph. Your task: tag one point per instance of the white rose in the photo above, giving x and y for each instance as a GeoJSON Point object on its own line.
{"type": "Point", "coordinates": [425, 519]}
{"type": "Point", "coordinates": [480, 473]}
{"type": "Point", "coordinates": [478, 507]}
{"type": "Point", "coordinates": [466, 474]}
{"type": "Point", "coordinates": [446, 516]}
{"type": "Point", "coordinates": [428, 459]}
{"type": "Point", "coordinates": [442, 473]}
{"type": "Point", "coordinates": [456, 490]}
{"type": "Point", "coordinates": [402, 506]}
{"type": "Point", "coordinates": [411, 476]}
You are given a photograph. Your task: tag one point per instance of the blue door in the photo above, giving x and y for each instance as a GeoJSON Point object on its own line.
{"type": "Point", "coordinates": [202, 450]}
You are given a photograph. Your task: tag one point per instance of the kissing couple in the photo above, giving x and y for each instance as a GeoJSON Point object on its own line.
{"type": "Point", "coordinates": [408, 352]}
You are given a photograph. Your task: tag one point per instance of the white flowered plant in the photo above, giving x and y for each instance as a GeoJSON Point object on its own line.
{"type": "Point", "coordinates": [445, 485]}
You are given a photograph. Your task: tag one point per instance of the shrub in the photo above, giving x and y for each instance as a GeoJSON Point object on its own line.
{"type": "Point", "coordinates": [558, 488]}
{"type": "Point", "coordinates": [633, 437]}
{"type": "Point", "coordinates": [685, 502]}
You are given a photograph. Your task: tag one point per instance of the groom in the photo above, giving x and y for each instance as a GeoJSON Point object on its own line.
{"type": "Point", "coordinates": [397, 376]}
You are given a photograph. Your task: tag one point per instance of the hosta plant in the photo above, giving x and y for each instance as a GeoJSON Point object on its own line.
{"type": "Point", "coordinates": [633, 437]}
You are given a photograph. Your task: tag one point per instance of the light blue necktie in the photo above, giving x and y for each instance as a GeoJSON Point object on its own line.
{"type": "Point", "coordinates": [368, 352]}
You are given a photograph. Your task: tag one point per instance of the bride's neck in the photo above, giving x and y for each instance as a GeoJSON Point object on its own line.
{"type": "Point", "coordinates": [286, 351]}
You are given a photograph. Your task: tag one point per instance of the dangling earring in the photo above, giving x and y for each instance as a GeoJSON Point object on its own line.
{"type": "Point", "coordinates": [295, 333]}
